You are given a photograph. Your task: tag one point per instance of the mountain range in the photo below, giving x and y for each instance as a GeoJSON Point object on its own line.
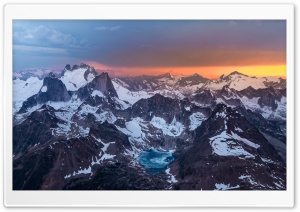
{"type": "Point", "coordinates": [81, 130]}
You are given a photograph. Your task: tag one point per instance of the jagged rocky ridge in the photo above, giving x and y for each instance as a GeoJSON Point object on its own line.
{"type": "Point", "coordinates": [85, 131]}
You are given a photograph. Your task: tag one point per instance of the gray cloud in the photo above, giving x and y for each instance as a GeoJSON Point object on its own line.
{"type": "Point", "coordinates": [38, 49]}
{"type": "Point", "coordinates": [104, 28]}
{"type": "Point", "coordinates": [44, 36]}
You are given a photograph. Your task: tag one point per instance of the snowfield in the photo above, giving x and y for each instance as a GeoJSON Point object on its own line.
{"type": "Point", "coordinates": [196, 120]}
{"type": "Point", "coordinates": [224, 145]}
{"type": "Point", "coordinates": [23, 89]}
{"type": "Point", "coordinates": [173, 129]}
{"type": "Point", "coordinates": [73, 80]}
{"type": "Point", "coordinates": [130, 96]}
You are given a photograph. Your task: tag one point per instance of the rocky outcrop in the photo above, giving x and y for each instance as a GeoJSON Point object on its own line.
{"type": "Point", "coordinates": [267, 96]}
{"type": "Point", "coordinates": [100, 83]}
{"type": "Point", "coordinates": [109, 133]}
{"type": "Point", "coordinates": [229, 152]}
{"type": "Point", "coordinates": [36, 129]}
{"type": "Point", "coordinates": [194, 79]}
{"type": "Point", "coordinates": [93, 140]}
{"type": "Point", "coordinates": [53, 90]}
{"type": "Point", "coordinates": [204, 97]}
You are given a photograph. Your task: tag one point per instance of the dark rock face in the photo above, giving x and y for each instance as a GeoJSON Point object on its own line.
{"type": "Point", "coordinates": [46, 166]}
{"type": "Point", "coordinates": [62, 157]}
{"type": "Point", "coordinates": [265, 126]}
{"type": "Point", "coordinates": [118, 177]}
{"type": "Point", "coordinates": [158, 82]}
{"type": "Point", "coordinates": [29, 170]}
{"type": "Point", "coordinates": [157, 105]}
{"type": "Point", "coordinates": [251, 92]}
{"type": "Point", "coordinates": [145, 82]}
{"type": "Point", "coordinates": [170, 110]}
{"type": "Point", "coordinates": [192, 80]}
{"type": "Point", "coordinates": [267, 96]}
{"type": "Point", "coordinates": [200, 167]}
{"type": "Point", "coordinates": [278, 85]}
{"type": "Point", "coordinates": [36, 129]}
{"type": "Point", "coordinates": [232, 102]}
{"type": "Point", "coordinates": [226, 91]}
{"type": "Point", "coordinates": [53, 89]}
{"type": "Point", "coordinates": [204, 97]}
{"type": "Point", "coordinates": [267, 100]}
{"type": "Point", "coordinates": [51, 74]}
{"type": "Point", "coordinates": [68, 67]}
{"type": "Point", "coordinates": [75, 67]}
{"type": "Point", "coordinates": [108, 133]}
{"type": "Point", "coordinates": [90, 70]}
{"type": "Point", "coordinates": [100, 83]}
{"type": "Point", "coordinates": [229, 76]}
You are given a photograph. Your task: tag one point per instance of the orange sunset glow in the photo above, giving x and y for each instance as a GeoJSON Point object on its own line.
{"type": "Point", "coordinates": [210, 72]}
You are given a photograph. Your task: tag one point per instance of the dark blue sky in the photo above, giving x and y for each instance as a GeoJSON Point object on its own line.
{"type": "Point", "coordinates": [130, 44]}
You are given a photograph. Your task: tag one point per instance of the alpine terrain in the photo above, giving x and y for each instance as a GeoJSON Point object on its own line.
{"type": "Point", "coordinates": [83, 130]}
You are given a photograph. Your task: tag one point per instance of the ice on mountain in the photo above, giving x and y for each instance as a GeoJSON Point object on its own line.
{"type": "Point", "coordinates": [224, 145]}
{"type": "Point", "coordinates": [86, 109]}
{"type": "Point", "coordinates": [222, 186]}
{"type": "Point", "coordinates": [23, 89]}
{"type": "Point", "coordinates": [173, 129]}
{"type": "Point", "coordinates": [74, 79]}
{"type": "Point", "coordinates": [221, 114]}
{"type": "Point", "coordinates": [249, 179]}
{"type": "Point", "coordinates": [172, 178]}
{"type": "Point", "coordinates": [134, 128]}
{"type": "Point", "coordinates": [97, 93]}
{"type": "Point", "coordinates": [84, 131]}
{"type": "Point", "coordinates": [105, 116]}
{"type": "Point", "coordinates": [63, 129]}
{"type": "Point", "coordinates": [44, 89]}
{"type": "Point", "coordinates": [238, 129]}
{"type": "Point", "coordinates": [90, 77]}
{"type": "Point", "coordinates": [105, 155]}
{"type": "Point", "coordinates": [266, 160]}
{"type": "Point", "coordinates": [219, 100]}
{"type": "Point", "coordinates": [196, 120]}
{"type": "Point", "coordinates": [129, 96]}
{"type": "Point", "coordinates": [246, 141]}
{"type": "Point", "coordinates": [239, 82]}
{"type": "Point", "coordinates": [123, 105]}
{"type": "Point", "coordinates": [80, 171]}
{"type": "Point", "coordinates": [187, 108]}
{"type": "Point", "coordinates": [244, 177]}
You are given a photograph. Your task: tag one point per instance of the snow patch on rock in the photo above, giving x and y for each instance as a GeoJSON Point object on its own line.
{"type": "Point", "coordinates": [196, 120]}
{"type": "Point", "coordinates": [173, 129]}
{"type": "Point", "coordinates": [224, 145]}
{"type": "Point", "coordinates": [222, 186]}
{"type": "Point", "coordinates": [44, 89]}
{"type": "Point", "coordinates": [171, 177]}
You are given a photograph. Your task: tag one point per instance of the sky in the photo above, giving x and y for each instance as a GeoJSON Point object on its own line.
{"type": "Point", "coordinates": [151, 47]}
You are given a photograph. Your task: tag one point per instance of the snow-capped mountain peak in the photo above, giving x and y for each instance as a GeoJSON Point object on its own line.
{"type": "Point", "coordinates": [77, 76]}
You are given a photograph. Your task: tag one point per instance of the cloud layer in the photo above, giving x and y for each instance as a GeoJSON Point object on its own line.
{"type": "Point", "coordinates": [150, 43]}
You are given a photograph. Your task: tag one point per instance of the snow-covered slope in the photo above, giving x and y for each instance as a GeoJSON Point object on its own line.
{"type": "Point", "coordinates": [240, 81]}
{"type": "Point", "coordinates": [23, 89]}
{"type": "Point", "coordinates": [107, 124]}
{"type": "Point", "coordinates": [129, 96]}
{"type": "Point", "coordinates": [75, 79]}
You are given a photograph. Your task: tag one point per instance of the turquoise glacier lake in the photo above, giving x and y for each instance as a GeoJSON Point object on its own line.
{"type": "Point", "coordinates": [155, 161]}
